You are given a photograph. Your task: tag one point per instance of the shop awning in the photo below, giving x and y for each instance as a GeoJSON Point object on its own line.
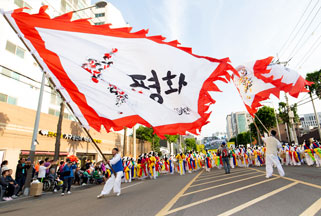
{"type": "Point", "coordinates": [25, 152]}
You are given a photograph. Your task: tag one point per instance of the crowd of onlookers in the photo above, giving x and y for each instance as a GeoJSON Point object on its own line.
{"type": "Point", "coordinates": [54, 176]}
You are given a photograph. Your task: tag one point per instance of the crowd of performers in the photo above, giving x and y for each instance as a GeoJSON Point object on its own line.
{"type": "Point", "coordinates": [151, 165]}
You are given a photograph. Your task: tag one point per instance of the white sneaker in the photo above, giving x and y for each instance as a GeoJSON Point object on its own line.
{"type": "Point", "coordinates": [14, 197]}
{"type": "Point", "coordinates": [83, 184]}
{"type": "Point", "coordinates": [100, 196]}
{"type": "Point", "coordinates": [5, 198]}
{"type": "Point", "coordinates": [62, 194]}
{"type": "Point", "coordinates": [68, 192]}
{"type": "Point", "coordinates": [55, 190]}
{"type": "Point", "coordinates": [118, 194]}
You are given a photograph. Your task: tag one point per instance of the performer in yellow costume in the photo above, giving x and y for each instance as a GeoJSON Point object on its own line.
{"type": "Point", "coordinates": [180, 158]}
{"type": "Point", "coordinates": [152, 163]}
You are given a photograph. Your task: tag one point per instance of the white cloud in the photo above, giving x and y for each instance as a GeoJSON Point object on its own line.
{"type": "Point", "coordinates": [174, 18]}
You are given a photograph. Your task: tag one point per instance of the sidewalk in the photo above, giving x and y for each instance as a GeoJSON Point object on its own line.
{"type": "Point", "coordinates": [45, 194]}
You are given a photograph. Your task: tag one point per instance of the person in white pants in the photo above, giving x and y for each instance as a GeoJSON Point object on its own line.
{"type": "Point", "coordinates": [272, 145]}
{"type": "Point", "coordinates": [114, 182]}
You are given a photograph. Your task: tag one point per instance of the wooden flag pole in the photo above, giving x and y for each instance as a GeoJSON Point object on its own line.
{"type": "Point", "coordinates": [261, 123]}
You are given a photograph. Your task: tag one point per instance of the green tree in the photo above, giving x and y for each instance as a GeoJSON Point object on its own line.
{"type": "Point", "coordinates": [316, 87]}
{"type": "Point", "coordinates": [147, 134]}
{"type": "Point", "coordinates": [190, 144]}
{"type": "Point", "coordinates": [172, 138]}
{"type": "Point", "coordinates": [315, 77]}
{"type": "Point", "coordinates": [267, 116]}
{"type": "Point", "coordinates": [284, 114]}
{"type": "Point", "coordinates": [233, 139]}
{"type": "Point", "coordinates": [244, 138]}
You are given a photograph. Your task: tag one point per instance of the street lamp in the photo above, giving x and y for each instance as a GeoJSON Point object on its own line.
{"type": "Point", "coordinates": [100, 4]}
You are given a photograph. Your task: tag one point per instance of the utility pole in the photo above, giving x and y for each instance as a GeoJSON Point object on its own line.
{"type": "Point", "coordinates": [134, 142]}
{"type": "Point", "coordinates": [291, 122]}
{"type": "Point", "coordinates": [277, 123]}
{"type": "Point", "coordinates": [58, 137]}
{"type": "Point", "coordinates": [315, 114]}
{"type": "Point", "coordinates": [34, 137]}
{"type": "Point", "coordinates": [125, 142]}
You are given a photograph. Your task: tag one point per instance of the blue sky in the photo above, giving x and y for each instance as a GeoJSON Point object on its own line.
{"type": "Point", "coordinates": [243, 30]}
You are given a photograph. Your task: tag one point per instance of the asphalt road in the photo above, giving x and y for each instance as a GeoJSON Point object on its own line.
{"type": "Point", "coordinates": [245, 191]}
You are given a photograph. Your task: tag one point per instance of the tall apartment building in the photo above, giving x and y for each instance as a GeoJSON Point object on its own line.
{"type": "Point", "coordinates": [236, 123]}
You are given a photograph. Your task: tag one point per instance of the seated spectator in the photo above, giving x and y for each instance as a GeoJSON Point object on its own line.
{"type": "Point", "coordinates": [6, 186]}
{"type": "Point", "coordinates": [78, 173]}
{"type": "Point", "coordinates": [85, 177]}
{"type": "Point", "coordinates": [97, 175]}
{"type": "Point", "coordinates": [4, 165]}
{"type": "Point", "coordinates": [53, 177]}
{"type": "Point", "coordinates": [13, 183]}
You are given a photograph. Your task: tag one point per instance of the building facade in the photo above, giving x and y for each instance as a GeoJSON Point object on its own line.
{"type": "Point", "coordinates": [308, 121]}
{"type": "Point", "coordinates": [20, 78]}
{"type": "Point", "coordinates": [109, 15]}
{"type": "Point", "coordinates": [229, 129]}
{"type": "Point", "coordinates": [237, 123]}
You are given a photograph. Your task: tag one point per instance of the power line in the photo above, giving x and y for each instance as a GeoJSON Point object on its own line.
{"type": "Point", "coordinates": [303, 98]}
{"type": "Point", "coordinates": [307, 101]}
{"type": "Point", "coordinates": [294, 49]}
{"type": "Point", "coordinates": [311, 51]}
{"type": "Point", "coordinates": [297, 24]}
{"type": "Point", "coordinates": [26, 83]}
{"type": "Point", "coordinates": [303, 24]}
{"type": "Point", "coordinates": [306, 40]}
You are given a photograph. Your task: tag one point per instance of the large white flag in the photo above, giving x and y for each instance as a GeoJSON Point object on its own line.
{"type": "Point", "coordinates": [115, 78]}
{"type": "Point", "coordinates": [259, 79]}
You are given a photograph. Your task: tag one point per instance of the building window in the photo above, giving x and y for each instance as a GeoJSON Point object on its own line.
{"type": "Point", "coordinates": [3, 97]}
{"type": "Point", "coordinates": [100, 15]}
{"type": "Point", "coordinates": [20, 52]}
{"type": "Point", "coordinates": [21, 3]}
{"type": "Point", "coordinates": [9, 73]}
{"type": "Point", "coordinates": [100, 23]}
{"type": "Point", "coordinates": [12, 100]}
{"type": "Point", "coordinates": [51, 111]}
{"type": "Point", "coordinates": [11, 47]}
{"type": "Point", "coordinates": [6, 72]}
{"type": "Point", "coordinates": [14, 49]}
{"type": "Point", "coordinates": [8, 99]}
{"type": "Point", "coordinates": [54, 98]}
{"type": "Point", "coordinates": [63, 5]}
{"type": "Point", "coordinates": [57, 112]}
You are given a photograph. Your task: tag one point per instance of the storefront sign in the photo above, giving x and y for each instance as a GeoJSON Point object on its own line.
{"type": "Point", "coordinates": [67, 136]}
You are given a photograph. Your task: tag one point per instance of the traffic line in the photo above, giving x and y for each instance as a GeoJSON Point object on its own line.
{"type": "Point", "coordinates": [170, 204]}
{"type": "Point", "coordinates": [216, 196]}
{"type": "Point", "coordinates": [292, 179]}
{"type": "Point", "coordinates": [131, 185]}
{"type": "Point", "coordinates": [218, 176]}
{"type": "Point", "coordinates": [217, 180]}
{"type": "Point", "coordinates": [220, 172]}
{"type": "Point", "coordinates": [313, 209]}
{"type": "Point", "coordinates": [256, 200]}
{"type": "Point", "coordinates": [220, 185]}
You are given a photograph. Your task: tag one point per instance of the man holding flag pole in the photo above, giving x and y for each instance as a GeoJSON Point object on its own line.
{"type": "Point", "coordinates": [272, 146]}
